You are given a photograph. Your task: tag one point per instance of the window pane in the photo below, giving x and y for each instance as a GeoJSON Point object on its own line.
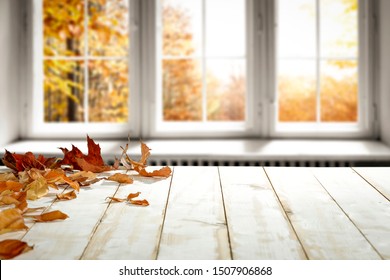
{"type": "Point", "coordinates": [339, 91]}
{"type": "Point", "coordinates": [225, 32]}
{"type": "Point", "coordinates": [63, 91]}
{"type": "Point", "coordinates": [63, 27]}
{"type": "Point", "coordinates": [226, 89]}
{"type": "Point", "coordinates": [339, 28]}
{"type": "Point", "coordinates": [297, 90]}
{"type": "Point", "coordinates": [182, 27]}
{"type": "Point", "coordinates": [108, 27]}
{"type": "Point", "coordinates": [182, 90]}
{"type": "Point", "coordinates": [108, 91]}
{"type": "Point", "coordinates": [296, 28]}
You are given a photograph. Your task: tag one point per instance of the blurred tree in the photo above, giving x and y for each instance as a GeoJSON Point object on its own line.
{"type": "Point", "coordinates": [65, 62]}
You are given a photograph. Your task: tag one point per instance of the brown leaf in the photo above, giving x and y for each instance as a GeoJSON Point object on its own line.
{"type": "Point", "coordinates": [11, 220]}
{"type": "Point", "coordinates": [163, 172]}
{"type": "Point", "coordinates": [121, 178]}
{"type": "Point", "coordinates": [128, 163]}
{"type": "Point", "coordinates": [9, 176]}
{"type": "Point", "coordinates": [50, 216]}
{"type": "Point", "coordinates": [115, 199]}
{"type": "Point", "coordinates": [19, 162]}
{"type": "Point", "coordinates": [11, 186]}
{"type": "Point", "coordinates": [11, 248]}
{"type": "Point", "coordinates": [67, 196]}
{"type": "Point", "coordinates": [92, 162]}
{"type": "Point", "coordinates": [86, 166]}
{"type": "Point", "coordinates": [37, 189]}
{"type": "Point", "coordinates": [131, 200]}
{"type": "Point", "coordinates": [58, 176]}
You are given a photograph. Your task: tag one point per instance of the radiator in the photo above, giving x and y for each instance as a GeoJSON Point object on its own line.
{"type": "Point", "coordinates": [295, 163]}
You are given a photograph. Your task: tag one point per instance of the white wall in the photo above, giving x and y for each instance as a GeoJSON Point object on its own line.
{"type": "Point", "coordinates": [10, 20]}
{"type": "Point", "coordinates": [384, 64]}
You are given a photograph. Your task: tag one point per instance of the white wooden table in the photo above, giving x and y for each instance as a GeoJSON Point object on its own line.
{"type": "Point", "coordinates": [224, 213]}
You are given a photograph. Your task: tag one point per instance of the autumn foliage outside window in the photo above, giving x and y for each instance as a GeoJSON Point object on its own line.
{"type": "Point", "coordinates": [86, 47]}
{"type": "Point", "coordinates": [318, 61]}
{"type": "Point", "coordinates": [203, 60]}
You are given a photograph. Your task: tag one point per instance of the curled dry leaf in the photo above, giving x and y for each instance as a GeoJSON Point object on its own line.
{"type": "Point", "coordinates": [19, 162]}
{"type": "Point", "coordinates": [9, 176]}
{"type": "Point", "coordinates": [16, 198]}
{"type": "Point", "coordinates": [163, 172]}
{"type": "Point", "coordinates": [11, 220]}
{"type": "Point", "coordinates": [67, 196]}
{"type": "Point", "coordinates": [11, 248]}
{"type": "Point", "coordinates": [116, 199]}
{"type": "Point", "coordinates": [37, 189]}
{"type": "Point", "coordinates": [58, 177]}
{"type": "Point", "coordinates": [11, 186]}
{"type": "Point", "coordinates": [50, 216]}
{"type": "Point", "coordinates": [131, 200]}
{"type": "Point", "coordinates": [121, 178]}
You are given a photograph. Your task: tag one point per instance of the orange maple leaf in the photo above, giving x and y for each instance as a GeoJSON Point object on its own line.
{"type": "Point", "coordinates": [19, 162]}
{"type": "Point", "coordinates": [92, 162]}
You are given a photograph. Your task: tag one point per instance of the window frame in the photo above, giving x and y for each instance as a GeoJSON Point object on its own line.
{"type": "Point", "coordinates": [261, 83]}
{"type": "Point", "coordinates": [37, 127]}
{"type": "Point", "coordinates": [152, 126]}
{"type": "Point", "coordinates": [366, 125]}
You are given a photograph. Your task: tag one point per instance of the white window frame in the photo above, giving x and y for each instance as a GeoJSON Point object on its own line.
{"type": "Point", "coordinates": [38, 128]}
{"type": "Point", "coordinates": [153, 126]}
{"type": "Point", "coordinates": [365, 125]}
{"type": "Point", "coordinates": [144, 81]}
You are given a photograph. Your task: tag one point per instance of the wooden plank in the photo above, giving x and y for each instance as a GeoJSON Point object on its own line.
{"type": "Point", "coordinates": [129, 231]}
{"type": "Point", "coordinates": [378, 177]}
{"type": "Point", "coordinates": [322, 227]}
{"type": "Point", "coordinates": [258, 226]}
{"type": "Point", "coordinates": [367, 208]}
{"type": "Point", "coordinates": [195, 226]}
{"type": "Point", "coordinates": [67, 239]}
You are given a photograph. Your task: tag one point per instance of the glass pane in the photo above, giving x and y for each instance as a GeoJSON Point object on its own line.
{"type": "Point", "coordinates": [297, 90]}
{"type": "Point", "coordinates": [226, 90]}
{"type": "Point", "coordinates": [182, 90]}
{"type": "Point", "coordinates": [225, 32]}
{"type": "Point", "coordinates": [63, 27]}
{"type": "Point", "coordinates": [108, 91]}
{"type": "Point", "coordinates": [339, 91]}
{"type": "Point", "coordinates": [108, 25]}
{"type": "Point", "coordinates": [296, 28]}
{"type": "Point", "coordinates": [182, 27]}
{"type": "Point", "coordinates": [63, 91]}
{"type": "Point", "coordinates": [339, 28]}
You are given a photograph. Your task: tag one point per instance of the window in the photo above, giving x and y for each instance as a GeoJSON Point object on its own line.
{"type": "Point", "coordinates": [320, 74]}
{"type": "Point", "coordinates": [202, 68]}
{"type": "Point", "coordinates": [202, 82]}
{"type": "Point", "coordinates": [82, 62]}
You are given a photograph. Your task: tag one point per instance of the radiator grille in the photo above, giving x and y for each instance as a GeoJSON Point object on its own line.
{"type": "Point", "coordinates": [293, 163]}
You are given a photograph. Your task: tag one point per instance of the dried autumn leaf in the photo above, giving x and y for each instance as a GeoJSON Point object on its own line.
{"type": "Point", "coordinates": [121, 178]}
{"type": "Point", "coordinates": [50, 216]}
{"type": "Point", "coordinates": [58, 176]}
{"type": "Point", "coordinates": [11, 248]}
{"type": "Point", "coordinates": [92, 162]}
{"type": "Point", "coordinates": [11, 186]}
{"type": "Point", "coordinates": [163, 172]}
{"type": "Point", "coordinates": [11, 220]}
{"type": "Point", "coordinates": [19, 162]}
{"type": "Point", "coordinates": [37, 189]}
{"type": "Point", "coordinates": [9, 176]}
{"type": "Point", "coordinates": [115, 199]}
{"type": "Point", "coordinates": [67, 196]}
{"type": "Point", "coordinates": [128, 163]}
{"type": "Point", "coordinates": [82, 176]}
{"type": "Point", "coordinates": [131, 200]}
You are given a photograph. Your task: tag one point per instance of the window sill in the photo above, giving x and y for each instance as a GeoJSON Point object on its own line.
{"type": "Point", "coordinates": [270, 151]}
